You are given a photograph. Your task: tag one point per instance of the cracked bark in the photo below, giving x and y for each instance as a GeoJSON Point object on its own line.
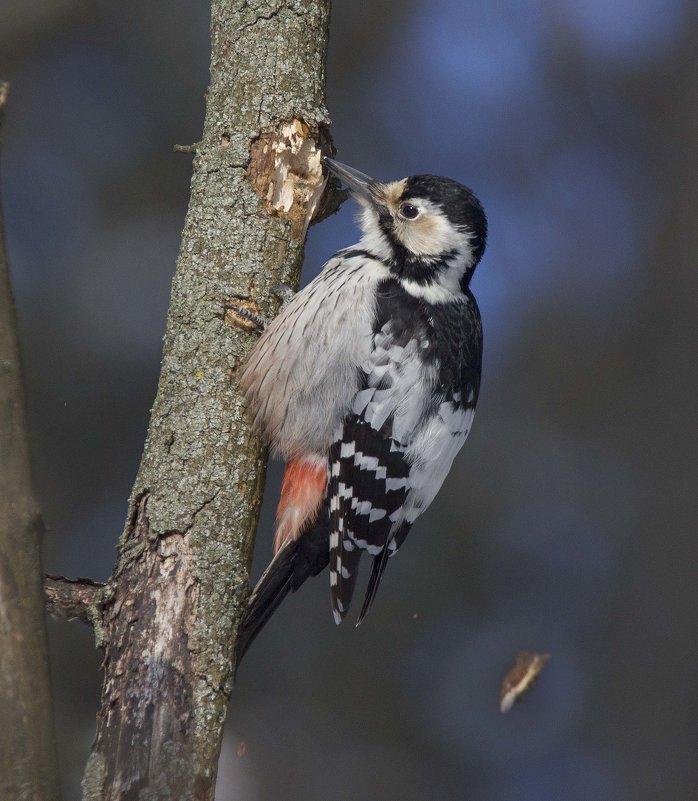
{"type": "Point", "coordinates": [166, 619]}
{"type": "Point", "coordinates": [28, 765]}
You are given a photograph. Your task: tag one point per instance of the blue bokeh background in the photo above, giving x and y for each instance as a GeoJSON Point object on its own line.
{"type": "Point", "coordinates": [567, 524]}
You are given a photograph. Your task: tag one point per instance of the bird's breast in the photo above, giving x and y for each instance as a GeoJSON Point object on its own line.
{"type": "Point", "coordinates": [302, 375]}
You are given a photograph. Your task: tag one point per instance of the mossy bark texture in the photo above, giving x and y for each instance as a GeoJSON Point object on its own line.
{"type": "Point", "coordinates": [28, 766]}
{"type": "Point", "coordinates": [166, 620]}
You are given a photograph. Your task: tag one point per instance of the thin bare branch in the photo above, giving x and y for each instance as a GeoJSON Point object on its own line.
{"type": "Point", "coordinates": [28, 764]}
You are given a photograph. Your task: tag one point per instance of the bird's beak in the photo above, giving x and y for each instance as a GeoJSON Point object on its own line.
{"type": "Point", "coordinates": [364, 189]}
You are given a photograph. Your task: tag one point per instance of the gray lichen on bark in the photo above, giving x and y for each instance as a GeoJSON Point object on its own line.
{"type": "Point", "coordinates": [168, 614]}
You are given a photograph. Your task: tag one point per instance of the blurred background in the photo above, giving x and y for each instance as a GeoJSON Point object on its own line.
{"type": "Point", "coordinates": [567, 525]}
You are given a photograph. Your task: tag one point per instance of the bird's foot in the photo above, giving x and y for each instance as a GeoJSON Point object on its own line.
{"type": "Point", "coordinates": [246, 314]}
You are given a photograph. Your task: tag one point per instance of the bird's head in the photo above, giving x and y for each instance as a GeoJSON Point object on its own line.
{"type": "Point", "coordinates": [429, 228]}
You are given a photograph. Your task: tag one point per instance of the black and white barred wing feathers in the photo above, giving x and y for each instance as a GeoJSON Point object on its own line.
{"type": "Point", "coordinates": [392, 453]}
{"type": "Point", "coordinates": [367, 488]}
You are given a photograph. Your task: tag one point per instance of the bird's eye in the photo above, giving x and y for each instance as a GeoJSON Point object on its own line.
{"type": "Point", "coordinates": [408, 211]}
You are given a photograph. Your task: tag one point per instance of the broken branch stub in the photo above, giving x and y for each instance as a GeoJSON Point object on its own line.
{"type": "Point", "coordinates": [285, 170]}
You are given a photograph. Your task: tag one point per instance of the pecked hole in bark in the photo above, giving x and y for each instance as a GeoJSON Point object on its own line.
{"type": "Point", "coordinates": [285, 170]}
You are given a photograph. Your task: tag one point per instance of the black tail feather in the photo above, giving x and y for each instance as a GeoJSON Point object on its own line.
{"type": "Point", "coordinates": [271, 589]}
{"type": "Point", "coordinates": [379, 564]}
{"type": "Point", "coordinates": [293, 563]}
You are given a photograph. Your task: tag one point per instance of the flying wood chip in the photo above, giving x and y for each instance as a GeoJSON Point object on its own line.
{"type": "Point", "coordinates": [521, 677]}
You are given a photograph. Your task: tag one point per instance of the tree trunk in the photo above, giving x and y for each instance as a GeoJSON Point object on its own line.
{"type": "Point", "coordinates": [167, 617]}
{"type": "Point", "coordinates": [28, 766]}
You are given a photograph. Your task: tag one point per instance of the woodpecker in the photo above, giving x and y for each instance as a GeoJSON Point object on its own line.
{"type": "Point", "coordinates": [366, 384]}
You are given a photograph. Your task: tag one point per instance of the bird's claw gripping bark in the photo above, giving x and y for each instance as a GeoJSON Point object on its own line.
{"type": "Point", "coordinates": [258, 321]}
{"type": "Point", "coordinates": [252, 315]}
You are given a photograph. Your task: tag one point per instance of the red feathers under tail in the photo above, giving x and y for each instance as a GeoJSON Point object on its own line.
{"type": "Point", "coordinates": [302, 493]}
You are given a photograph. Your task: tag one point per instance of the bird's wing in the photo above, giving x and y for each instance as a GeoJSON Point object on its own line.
{"type": "Point", "coordinates": [367, 488]}
{"type": "Point", "coordinates": [409, 419]}
{"type": "Point", "coordinates": [369, 469]}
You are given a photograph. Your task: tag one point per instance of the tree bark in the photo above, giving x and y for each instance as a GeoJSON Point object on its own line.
{"type": "Point", "coordinates": [166, 619]}
{"type": "Point", "coordinates": [28, 765]}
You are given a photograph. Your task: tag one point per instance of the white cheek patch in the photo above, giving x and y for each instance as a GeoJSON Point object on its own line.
{"type": "Point", "coordinates": [431, 233]}
{"type": "Point", "coordinates": [429, 236]}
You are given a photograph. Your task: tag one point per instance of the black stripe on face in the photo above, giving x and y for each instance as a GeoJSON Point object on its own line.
{"type": "Point", "coordinates": [352, 253]}
{"type": "Point", "coordinates": [458, 203]}
{"type": "Point", "coordinates": [421, 269]}
{"type": "Point", "coordinates": [404, 263]}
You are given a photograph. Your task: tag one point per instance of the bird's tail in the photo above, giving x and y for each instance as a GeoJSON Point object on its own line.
{"type": "Point", "coordinates": [294, 562]}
